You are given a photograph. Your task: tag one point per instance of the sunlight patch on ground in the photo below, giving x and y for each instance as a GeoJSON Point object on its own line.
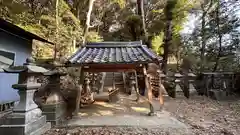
{"type": "Point", "coordinates": [140, 109]}
{"type": "Point", "coordinates": [96, 114]}
{"type": "Point", "coordinates": [109, 105]}
{"type": "Point", "coordinates": [83, 114]}
{"type": "Point", "coordinates": [102, 112]}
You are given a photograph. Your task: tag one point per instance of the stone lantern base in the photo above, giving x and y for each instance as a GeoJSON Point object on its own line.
{"type": "Point", "coordinates": [54, 108]}
{"type": "Point", "coordinates": [14, 126]}
{"type": "Point", "coordinates": [27, 118]}
{"type": "Point", "coordinates": [55, 112]}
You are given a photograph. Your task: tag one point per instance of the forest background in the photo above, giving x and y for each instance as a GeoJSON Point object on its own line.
{"type": "Point", "coordinates": [212, 43]}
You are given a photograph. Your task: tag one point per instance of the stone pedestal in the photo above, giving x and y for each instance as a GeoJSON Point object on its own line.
{"type": "Point", "coordinates": [192, 90]}
{"type": "Point", "coordinates": [55, 112]}
{"type": "Point", "coordinates": [184, 85]}
{"type": "Point", "coordinates": [132, 88]}
{"type": "Point", "coordinates": [178, 89]}
{"type": "Point", "coordinates": [163, 77]}
{"type": "Point", "coordinates": [55, 107]}
{"type": "Point", "coordinates": [217, 94]}
{"type": "Point", "coordinates": [27, 118]}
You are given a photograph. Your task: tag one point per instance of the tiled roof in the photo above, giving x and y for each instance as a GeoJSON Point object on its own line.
{"type": "Point", "coordinates": [113, 53]}
{"type": "Point", "coordinates": [15, 30]}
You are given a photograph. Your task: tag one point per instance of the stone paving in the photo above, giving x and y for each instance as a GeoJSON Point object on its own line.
{"type": "Point", "coordinates": [126, 113]}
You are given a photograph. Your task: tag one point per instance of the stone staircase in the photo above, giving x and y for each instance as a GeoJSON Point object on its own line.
{"type": "Point", "coordinates": [112, 83]}
{"type": "Point", "coordinates": [112, 78]}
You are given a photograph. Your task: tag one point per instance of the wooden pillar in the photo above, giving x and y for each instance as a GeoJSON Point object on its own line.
{"type": "Point", "coordinates": [161, 89]}
{"type": "Point", "coordinates": [114, 83]}
{"type": "Point", "coordinates": [137, 89]}
{"type": "Point", "coordinates": [148, 91]}
{"type": "Point", "coordinates": [124, 81]}
{"type": "Point", "coordinates": [102, 82]}
{"type": "Point", "coordinates": [78, 99]}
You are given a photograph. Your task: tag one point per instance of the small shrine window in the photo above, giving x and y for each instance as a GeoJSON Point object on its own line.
{"type": "Point", "coordinates": [6, 59]}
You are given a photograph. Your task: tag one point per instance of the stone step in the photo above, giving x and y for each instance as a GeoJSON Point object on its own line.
{"type": "Point", "coordinates": [118, 83]}
{"type": "Point", "coordinates": [108, 78]}
{"type": "Point", "coordinates": [42, 130]}
{"type": "Point", "coordinates": [26, 129]}
{"type": "Point", "coordinates": [54, 115]}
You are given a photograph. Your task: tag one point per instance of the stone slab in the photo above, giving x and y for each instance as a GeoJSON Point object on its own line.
{"type": "Point", "coordinates": [54, 115]}
{"type": "Point", "coordinates": [22, 118]}
{"type": "Point", "coordinates": [41, 130]}
{"type": "Point", "coordinates": [23, 129]}
{"type": "Point", "coordinates": [218, 94]}
{"type": "Point", "coordinates": [57, 121]}
{"type": "Point", "coordinates": [160, 120]}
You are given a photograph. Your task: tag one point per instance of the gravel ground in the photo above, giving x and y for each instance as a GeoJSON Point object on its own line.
{"type": "Point", "coordinates": [107, 131]}
{"type": "Point", "coordinates": [206, 116]}
{"type": "Point", "coordinates": [203, 115]}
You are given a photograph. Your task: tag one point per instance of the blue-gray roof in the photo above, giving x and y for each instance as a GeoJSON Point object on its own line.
{"type": "Point", "coordinates": [15, 30]}
{"type": "Point", "coordinates": [114, 53]}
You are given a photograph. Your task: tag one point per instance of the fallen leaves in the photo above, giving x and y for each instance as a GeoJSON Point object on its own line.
{"type": "Point", "coordinates": [107, 131]}
{"type": "Point", "coordinates": [206, 116]}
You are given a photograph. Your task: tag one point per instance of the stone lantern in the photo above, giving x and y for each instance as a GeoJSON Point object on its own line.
{"type": "Point", "coordinates": [27, 118]}
{"type": "Point", "coordinates": [55, 106]}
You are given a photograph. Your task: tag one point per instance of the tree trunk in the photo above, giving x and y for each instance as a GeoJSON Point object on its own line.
{"type": "Point", "coordinates": [167, 40]}
{"type": "Point", "coordinates": [143, 22]}
{"type": "Point", "coordinates": [203, 34]}
{"type": "Point", "coordinates": [141, 13]}
{"type": "Point", "coordinates": [219, 42]}
{"type": "Point", "coordinates": [74, 45]}
{"type": "Point", "coordinates": [91, 2]}
{"type": "Point", "coordinates": [219, 37]}
{"type": "Point", "coordinates": [56, 44]}
{"type": "Point", "coordinates": [168, 31]}
{"type": "Point", "coordinates": [203, 39]}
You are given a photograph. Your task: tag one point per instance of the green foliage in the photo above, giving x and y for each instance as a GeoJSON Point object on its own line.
{"type": "Point", "coordinates": [94, 37]}
{"type": "Point", "coordinates": [41, 20]}
{"type": "Point", "coordinates": [39, 17]}
{"type": "Point", "coordinates": [121, 3]}
{"type": "Point", "coordinates": [227, 29]}
{"type": "Point", "coordinates": [157, 43]}
{"type": "Point", "coordinates": [180, 13]}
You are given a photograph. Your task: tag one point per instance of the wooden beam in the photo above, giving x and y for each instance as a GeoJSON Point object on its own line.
{"type": "Point", "coordinates": [109, 64]}
{"type": "Point", "coordinates": [112, 46]}
{"type": "Point", "coordinates": [148, 91]}
{"type": "Point", "coordinates": [120, 66]}
{"type": "Point", "coordinates": [107, 70]}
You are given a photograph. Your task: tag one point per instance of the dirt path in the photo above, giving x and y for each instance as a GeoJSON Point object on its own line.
{"type": "Point", "coordinates": [201, 115]}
